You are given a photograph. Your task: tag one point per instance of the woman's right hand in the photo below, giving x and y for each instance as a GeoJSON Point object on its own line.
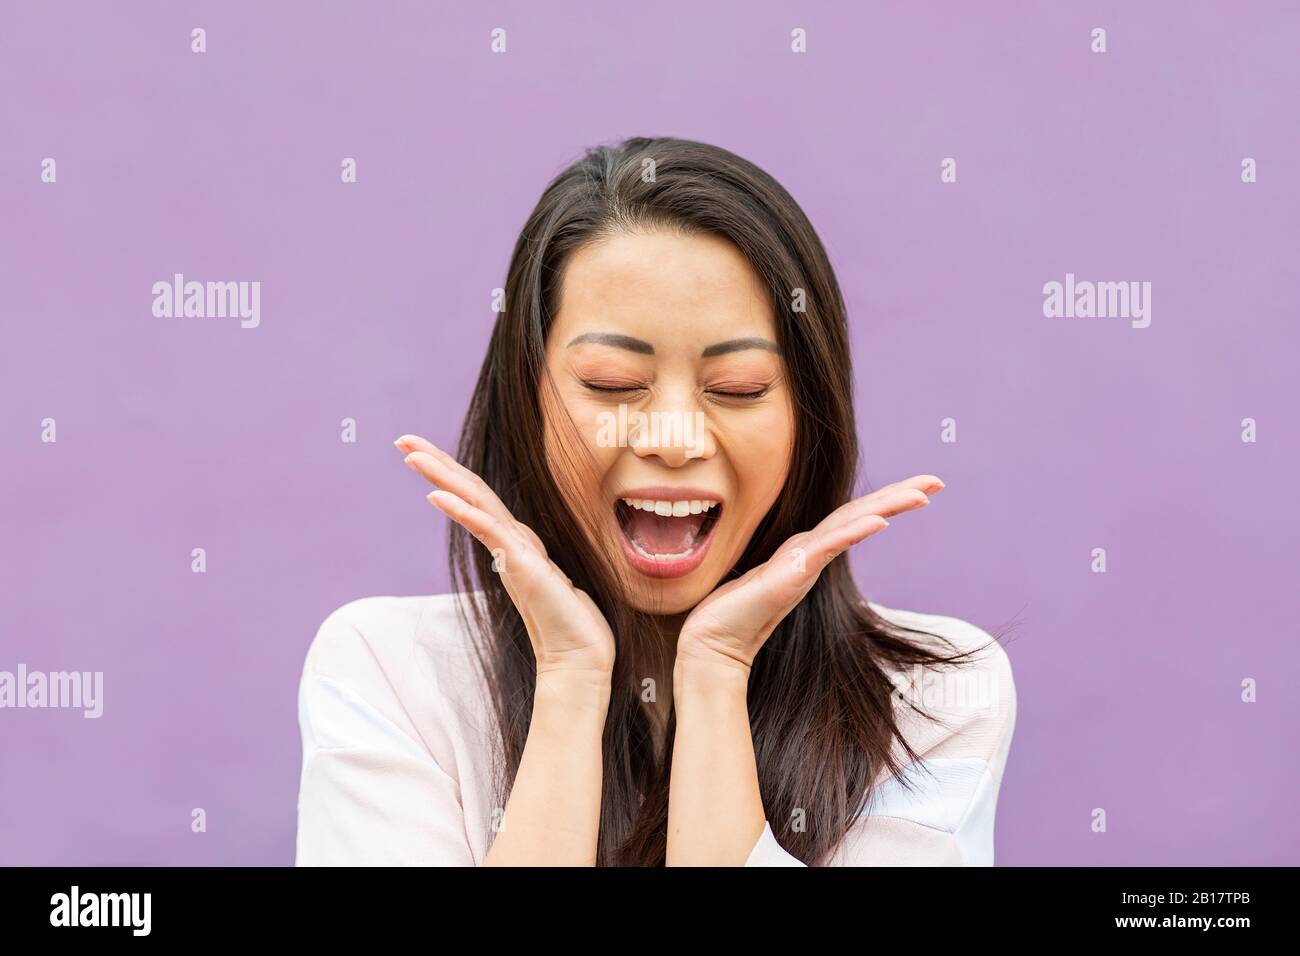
{"type": "Point", "coordinates": [567, 630]}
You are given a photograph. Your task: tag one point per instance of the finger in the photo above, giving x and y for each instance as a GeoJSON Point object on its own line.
{"type": "Point", "coordinates": [482, 527]}
{"type": "Point", "coordinates": [468, 486]}
{"type": "Point", "coordinates": [930, 484]}
{"type": "Point", "coordinates": [886, 502]}
{"type": "Point", "coordinates": [824, 545]}
{"type": "Point", "coordinates": [414, 443]}
{"type": "Point", "coordinates": [486, 528]}
{"type": "Point", "coordinates": [862, 517]}
{"type": "Point", "coordinates": [828, 545]}
{"type": "Point", "coordinates": [460, 481]}
{"type": "Point", "coordinates": [409, 443]}
{"type": "Point", "coordinates": [472, 492]}
{"type": "Point", "coordinates": [926, 484]}
{"type": "Point", "coordinates": [497, 536]}
{"type": "Point", "coordinates": [787, 576]}
{"type": "Point", "coordinates": [804, 566]}
{"type": "Point", "coordinates": [845, 527]}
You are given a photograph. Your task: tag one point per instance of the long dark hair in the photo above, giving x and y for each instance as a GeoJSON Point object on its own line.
{"type": "Point", "coordinates": [820, 701]}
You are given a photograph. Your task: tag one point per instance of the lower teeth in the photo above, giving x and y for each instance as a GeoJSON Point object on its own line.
{"type": "Point", "coordinates": [659, 557]}
{"type": "Point", "coordinates": [702, 532]}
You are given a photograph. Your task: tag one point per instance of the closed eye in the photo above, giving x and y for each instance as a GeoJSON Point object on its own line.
{"type": "Point", "coordinates": [742, 395]}
{"type": "Point", "coordinates": [593, 386]}
{"type": "Point", "coordinates": [619, 388]}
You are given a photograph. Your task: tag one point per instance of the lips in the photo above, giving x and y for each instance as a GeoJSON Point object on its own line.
{"type": "Point", "coordinates": [666, 532]}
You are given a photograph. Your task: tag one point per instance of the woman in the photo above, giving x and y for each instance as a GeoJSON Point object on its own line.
{"type": "Point", "coordinates": [654, 653]}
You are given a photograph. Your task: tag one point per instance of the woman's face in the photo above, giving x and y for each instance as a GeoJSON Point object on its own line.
{"type": "Point", "coordinates": [664, 354]}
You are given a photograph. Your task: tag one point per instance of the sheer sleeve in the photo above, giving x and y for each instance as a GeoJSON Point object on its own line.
{"type": "Point", "coordinates": [946, 817]}
{"type": "Point", "coordinates": [370, 791]}
{"type": "Point", "coordinates": [767, 852]}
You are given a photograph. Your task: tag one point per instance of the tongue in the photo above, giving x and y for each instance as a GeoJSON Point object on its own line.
{"type": "Point", "coordinates": [661, 534]}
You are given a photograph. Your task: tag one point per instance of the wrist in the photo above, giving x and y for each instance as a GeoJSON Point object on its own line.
{"type": "Point", "coordinates": [711, 677]}
{"type": "Point", "coordinates": [700, 661]}
{"type": "Point", "coordinates": [582, 691]}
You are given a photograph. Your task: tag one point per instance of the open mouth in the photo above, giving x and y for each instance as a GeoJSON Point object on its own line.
{"type": "Point", "coordinates": [666, 537]}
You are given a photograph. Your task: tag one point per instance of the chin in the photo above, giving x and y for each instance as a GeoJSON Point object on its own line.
{"type": "Point", "coordinates": [667, 598]}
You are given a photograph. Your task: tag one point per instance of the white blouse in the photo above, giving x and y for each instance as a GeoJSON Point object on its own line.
{"type": "Point", "coordinates": [397, 736]}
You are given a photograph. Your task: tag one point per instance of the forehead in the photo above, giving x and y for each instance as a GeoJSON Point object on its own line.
{"type": "Point", "coordinates": [663, 287]}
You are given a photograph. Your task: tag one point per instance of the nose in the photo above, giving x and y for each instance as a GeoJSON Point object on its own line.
{"type": "Point", "coordinates": [676, 433]}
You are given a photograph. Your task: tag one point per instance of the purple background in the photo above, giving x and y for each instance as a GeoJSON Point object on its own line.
{"type": "Point", "coordinates": [1073, 433]}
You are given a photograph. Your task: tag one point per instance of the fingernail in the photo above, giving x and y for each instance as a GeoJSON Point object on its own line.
{"type": "Point", "coordinates": [408, 461]}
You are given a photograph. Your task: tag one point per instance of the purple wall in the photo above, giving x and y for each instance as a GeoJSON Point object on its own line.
{"type": "Point", "coordinates": [1073, 433]}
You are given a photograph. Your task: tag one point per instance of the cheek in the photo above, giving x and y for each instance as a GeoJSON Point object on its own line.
{"type": "Point", "coordinates": [572, 432]}
{"type": "Point", "coordinates": [760, 455]}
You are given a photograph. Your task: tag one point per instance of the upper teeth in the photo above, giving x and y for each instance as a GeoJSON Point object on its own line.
{"type": "Point", "coordinates": [675, 508]}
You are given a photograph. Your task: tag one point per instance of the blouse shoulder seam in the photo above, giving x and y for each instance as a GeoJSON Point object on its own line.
{"type": "Point", "coordinates": [344, 613]}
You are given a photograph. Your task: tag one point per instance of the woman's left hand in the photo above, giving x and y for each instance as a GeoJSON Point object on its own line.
{"type": "Point", "coordinates": [730, 626]}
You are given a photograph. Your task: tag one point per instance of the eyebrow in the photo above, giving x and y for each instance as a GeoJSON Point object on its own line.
{"type": "Point", "coordinates": [739, 345]}
{"type": "Point", "coordinates": [645, 348]}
